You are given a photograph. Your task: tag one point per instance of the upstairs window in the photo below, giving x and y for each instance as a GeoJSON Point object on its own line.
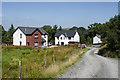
{"type": "Point", "coordinates": [36, 36]}
{"type": "Point", "coordinates": [36, 44]}
{"type": "Point", "coordinates": [44, 36]}
{"type": "Point", "coordinates": [20, 35]}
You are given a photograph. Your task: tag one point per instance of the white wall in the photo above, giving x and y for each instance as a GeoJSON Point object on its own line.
{"type": "Point", "coordinates": [96, 40]}
{"type": "Point", "coordinates": [56, 41]}
{"type": "Point", "coordinates": [76, 38]}
{"type": "Point", "coordinates": [17, 39]}
{"type": "Point", "coordinates": [46, 38]}
{"type": "Point", "coordinates": [64, 39]}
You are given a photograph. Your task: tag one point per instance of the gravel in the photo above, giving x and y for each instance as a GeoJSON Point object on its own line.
{"type": "Point", "coordinates": [93, 66]}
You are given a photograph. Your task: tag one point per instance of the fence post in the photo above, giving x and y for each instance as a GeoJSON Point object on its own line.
{"type": "Point", "coordinates": [80, 46]}
{"type": "Point", "coordinates": [72, 53]}
{"type": "Point", "coordinates": [19, 70]}
{"type": "Point", "coordinates": [44, 60]}
{"type": "Point", "coordinates": [53, 59]}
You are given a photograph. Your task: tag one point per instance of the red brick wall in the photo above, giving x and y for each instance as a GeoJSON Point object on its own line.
{"type": "Point", "coordinates": [31, 39]}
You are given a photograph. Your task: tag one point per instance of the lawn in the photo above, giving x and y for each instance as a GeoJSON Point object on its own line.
{"type": "Point", "coordinates": [32, 61]}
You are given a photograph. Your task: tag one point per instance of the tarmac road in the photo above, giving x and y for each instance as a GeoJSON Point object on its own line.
{"type": "Point", "coordinates": [93, 66]}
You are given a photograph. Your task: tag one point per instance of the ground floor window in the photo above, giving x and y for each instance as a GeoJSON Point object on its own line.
{"type": "Point", "coordinates": [27, 43]}
{"type": "Point", "coordinates": [36, 44]}
{"type": "Point", "coordinates": [62, 43]}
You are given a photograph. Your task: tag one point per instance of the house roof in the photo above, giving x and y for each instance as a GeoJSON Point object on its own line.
{"type": "Point", "coordinates": [69, 33]}
{"type": "Point", "coordinates": [30, 30]}
{"type": "Point", "coordinates": [98, 36]}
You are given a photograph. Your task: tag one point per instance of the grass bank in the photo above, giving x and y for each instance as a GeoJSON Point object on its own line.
{"type": "Point", "coordinates": [33, 61]}
{"type": "Point", "coordinates": [106, 52]}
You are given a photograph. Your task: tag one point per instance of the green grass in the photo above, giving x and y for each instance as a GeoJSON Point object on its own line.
{"type": "Point", "coordinates": [106, 52]}
{"type": "Point", "coordinates": [95, 45]}
{"type": "Point", "coordinates": [33, 61]}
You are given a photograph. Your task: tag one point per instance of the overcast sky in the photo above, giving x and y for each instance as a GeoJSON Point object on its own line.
{"type": "Point", "coordinates": [65, 14]}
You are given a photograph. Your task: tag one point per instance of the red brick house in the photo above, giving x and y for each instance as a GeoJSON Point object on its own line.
{"type": "Point", "coordinates": [30, 36]}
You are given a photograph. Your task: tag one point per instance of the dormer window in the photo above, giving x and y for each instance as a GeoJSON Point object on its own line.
{"type": "Point", "coordinates": [20, 35]}
{"type": "Point", "coordinates": [36, 36]}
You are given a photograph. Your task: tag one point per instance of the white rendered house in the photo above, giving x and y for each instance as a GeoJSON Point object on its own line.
{"type": "Point", "coordinates": [30, 36]}
{"type": "Point", "coordinates": [97, 39]}
{"type": "Point", "coordinates": [65, 37]}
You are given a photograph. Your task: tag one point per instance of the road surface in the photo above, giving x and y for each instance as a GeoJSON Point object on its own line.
{"type": "Point", "coordinates": [93, 66]}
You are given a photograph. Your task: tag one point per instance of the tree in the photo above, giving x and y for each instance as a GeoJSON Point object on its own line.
{"type": "Point", "coordinates": [82, 39]}
{"type": "Point", "coordinates": [4, 34]}
{"type": "Point", "coordinates": [10, 33]}
{"type": "Point", "coordinates": [54, 30]}
{"type": "Point", "coordinates": [48, 29]}
{"type": "Point", "coordinates": [94, 29]}
{"type": "Point", "coordinates": [74, 28]}
{"type": "Point", "coordinates": [60, 28]}
{"type": "Point", "coordinates": [89, 40]}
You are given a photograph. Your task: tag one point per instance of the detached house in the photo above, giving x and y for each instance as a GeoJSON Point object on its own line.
{"type": "Point", "coordinates": [30, 36]}
{"type": "Point", "coordinates": [67, 37]}
{"type": "Point", "coordinates": [97, 39]}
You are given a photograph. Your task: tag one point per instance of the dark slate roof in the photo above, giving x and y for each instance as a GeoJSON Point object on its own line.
{"type": "Point", "coordinates": [69, 33]}
{"type": "Point", "coordinates": [30, 30]}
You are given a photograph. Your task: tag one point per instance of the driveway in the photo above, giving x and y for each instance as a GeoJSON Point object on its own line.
{"type": "Point", "coordinates": [93, 66]}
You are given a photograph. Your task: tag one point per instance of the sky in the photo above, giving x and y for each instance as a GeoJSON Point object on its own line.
{"type": "Point", "coordinates": [60, 0]}
{"type": "Point", "coordinates": [65, 14]}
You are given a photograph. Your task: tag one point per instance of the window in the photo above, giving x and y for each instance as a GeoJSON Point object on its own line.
{"type": "Point", "coordinates": [20, 35]}
{"type": "Point", "coordinates": [36, 44]}
{"type": "Point", "coordinates": [69, 38]}
{"type": "Point", "coordinates": [44, 36]}
{"type": "Point", "coordinates": [27, 43]}
{"type": "Point", "coordinates": [36, 36]}
{"type": "Point", "coordinates": [61, 38]}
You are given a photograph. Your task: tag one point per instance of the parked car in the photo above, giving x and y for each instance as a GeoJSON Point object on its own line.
{"type": "Point", "coordinates": [50, 44]}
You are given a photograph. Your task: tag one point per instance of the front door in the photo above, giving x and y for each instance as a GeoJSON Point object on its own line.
{"type": "Point", "coordinates": [62, 43]}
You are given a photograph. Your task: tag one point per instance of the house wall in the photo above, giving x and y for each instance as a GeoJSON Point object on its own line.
{"type": "Point", "coordinates": [17, 39]}
{"type": "Point", "coordinates": [31, 39]}
{"type": "Point", "coordinates": [66, 40]}
{"type": "Point", "coordinates": [46, 38]}
{"type": "Point", "coordinates": [77, 37]}
{"type": "Point", "coordinates": [96, 40]}
{"type": "Point", "coordinates": [56, 41]}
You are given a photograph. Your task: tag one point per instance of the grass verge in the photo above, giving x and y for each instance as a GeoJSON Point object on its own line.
{"type": "Point", "coordinates": [33, 61]}
{"type": "Point", "coordinates": [105, 51]}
